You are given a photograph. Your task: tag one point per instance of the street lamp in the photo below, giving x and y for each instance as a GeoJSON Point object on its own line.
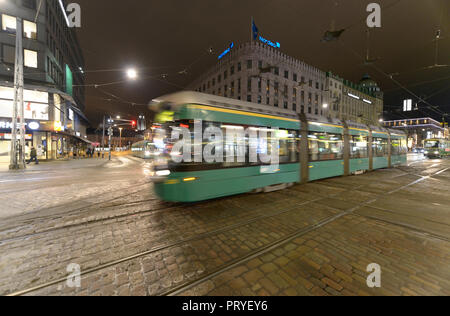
{"type": "Point", "coordinates": [132, 73]}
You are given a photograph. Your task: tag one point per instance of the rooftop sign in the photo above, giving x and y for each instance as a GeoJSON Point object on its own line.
{"type": "Point", "coordinates": [226, 51]}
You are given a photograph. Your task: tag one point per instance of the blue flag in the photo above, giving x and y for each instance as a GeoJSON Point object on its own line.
{"type": "Point", "coordinates": [255, 30]}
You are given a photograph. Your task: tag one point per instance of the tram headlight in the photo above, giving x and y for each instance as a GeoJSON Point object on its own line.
{"type": "Point", "coordinates": [163, 173]}
{"type": "Point", "coordinates": [147, 154]}
{"type": "Point", "coordinates": [436, 153]}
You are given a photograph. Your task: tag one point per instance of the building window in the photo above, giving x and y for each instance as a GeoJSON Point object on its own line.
{"type": "Point", "coordinates": [285, 92]}
{"type": "Point", "coordinates": [9, 54]}
{"type": "Point", "coordinates": [259, 85]}
{"type": "Point", "coordinates": [309, 110]}
{"type": "Point", "coordinates": [260, 64]}
{"type": "Point", "coordinates": [268, 87]}
{"type": "Point", "coordinates": [310, 83]}
{"type": "Point", "coordinates": [285, 104]}
{"type": "Point", "coordinates": [294, 107]}
{"type": "Point", "coordinates": [267, 100]}
{"type": "Point", "coordinates": [277, 71]}
{"type": "Point", "coordinates": [214, 82]}
{"type": "Point", "coordinates": [225, 75]}
{"type": "Point", "coordinates": [286, 74]}
{"type": "Point", "coordinates": [239, 86]}
{"type": "Point", "coordinates": [276, 88]}
{"type": "Point", "coordinates": [219, 78]}
{"type": "Point", "coordinates": [303, 97]}
{"type": "Point", "coordinates": [232, 89]}
{"type": "Point", "coordinates": [302, 109]}
{"type": "Point", "coordinates": [9, 24]}
{"type": "Point", "coordinates": [249, 64]}
{"type": "Point", "coordinates": [30, 58]}
{"type": "Point", "coordinates": [259, 99]}
{"type": "Point", "coordinates": [232, 70]}
{"type": "Point", "coordinates": [30, 29]}
{"type": "Point", "coordinates": [309, 98]}
{"type": "Point", "coordinates": [239, 66]}
{"type": "Point", "coordinates": [249, 85]}
{"type": "Point", "coordinates": [295, 77]}
{"type": "Point", "coordinates": [275, 103]}
{"type": "Point", "coordinates": [249, 98]}
{"type": "Point", "coordinates": [225, 91]}
{"type": "Point", "coordinates": [220, 92]}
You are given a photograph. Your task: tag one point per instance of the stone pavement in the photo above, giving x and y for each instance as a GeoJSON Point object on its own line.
{"type": "Point", "coordinates": [313, 239]}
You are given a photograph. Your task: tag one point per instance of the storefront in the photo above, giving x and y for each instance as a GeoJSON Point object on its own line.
{"type": "Point", "coordinates": [53, 125]}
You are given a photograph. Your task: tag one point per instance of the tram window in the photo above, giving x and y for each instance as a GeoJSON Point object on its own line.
{"type": "Point", "coordinates": [380, 147]}
{"type": "Point", "coordinates": [237, 145]}
{"type": "Point", "coordinates": [432, 144]}
{"type": "Point", "coordinates": [398, 147]}
{"type": "Point", "coordinates": [325, 146]}
{"type": "Point", "coordinates": [359, 147]}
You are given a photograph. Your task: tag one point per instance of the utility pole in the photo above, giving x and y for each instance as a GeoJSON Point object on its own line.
{"type": "Point", "coordinates": [110, 131]}
{"type": "Point", "coordinates": [17, 159]}
{"type": "Point", "coordinates": [103, 139]}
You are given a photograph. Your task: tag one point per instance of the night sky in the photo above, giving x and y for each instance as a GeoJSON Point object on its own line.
{"type": "Point", "coordinates": [166, 37]}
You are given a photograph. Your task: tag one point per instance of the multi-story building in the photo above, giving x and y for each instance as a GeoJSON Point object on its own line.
{"type": "Point", "coordinates": [54, 97]}
{"type": "Point", "coordinates": [259, 73]}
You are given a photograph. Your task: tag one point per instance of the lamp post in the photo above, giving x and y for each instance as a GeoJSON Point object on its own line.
{"type": "Point", "coordinates": [120, 138]}
{"type": "Point", "coordinates": [17, 159]}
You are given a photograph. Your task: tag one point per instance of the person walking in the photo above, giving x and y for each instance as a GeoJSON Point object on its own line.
{"type": "Point", "coordinates": [33, 156]}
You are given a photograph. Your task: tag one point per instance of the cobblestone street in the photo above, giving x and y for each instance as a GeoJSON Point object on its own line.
{"type": "Point", "coordinates": [312, 239]}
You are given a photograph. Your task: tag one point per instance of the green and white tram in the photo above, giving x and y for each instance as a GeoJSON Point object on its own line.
{"type": "Point", "coordinates": [310, 148]}
{"type": "Point", "coordinates": [437, 148]}
{"type": "Point", "coordinates": [144, 149]}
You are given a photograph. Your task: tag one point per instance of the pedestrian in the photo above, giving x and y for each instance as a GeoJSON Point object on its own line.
{"type": "Point", "coordinates": [33, 156]}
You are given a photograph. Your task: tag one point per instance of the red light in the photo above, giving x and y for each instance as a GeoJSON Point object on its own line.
{"type": "Point", "coordinates": [134, 123]}
{"type": "Point", "coordinates": [184, 125]}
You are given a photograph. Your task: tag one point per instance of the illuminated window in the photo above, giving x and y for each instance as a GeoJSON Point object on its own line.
{"type": "Point", "coordinates": [9, 24]}
{"type": "Point", "coordinates": [30, 58]}
{"type": "Point", "coordinates": [30, 29]}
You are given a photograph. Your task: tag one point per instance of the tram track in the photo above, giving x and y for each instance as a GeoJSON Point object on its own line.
{"type": "Point", "coordinates": [179, 290]}
{"type": "Point", "coordinates": [163, 246]}
{"type": "Point", "coordinates": [27, 219]}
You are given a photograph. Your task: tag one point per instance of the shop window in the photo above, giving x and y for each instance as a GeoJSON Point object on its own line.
{"type": "Point", "coordinates": [9, 24]}
{"type": "Point", "coordinates": [30, 58]}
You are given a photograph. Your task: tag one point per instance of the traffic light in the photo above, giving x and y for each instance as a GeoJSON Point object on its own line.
{"type": "Point", "coordinates": [133, 123]}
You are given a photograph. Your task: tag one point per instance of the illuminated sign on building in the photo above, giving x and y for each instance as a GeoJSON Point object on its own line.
{"type": "Point", "coordinates": [226, 51]}
{"type": "Point", "coordinates": [57, 126]}
{"type": "Point", "coordinates": [33, 125]}
{"type": "Point", "coordinates": [8, 136]}
{"type": "Point", "coordinates": [270, 43]}
{"type": "Point", "coordinates": [8, 125]}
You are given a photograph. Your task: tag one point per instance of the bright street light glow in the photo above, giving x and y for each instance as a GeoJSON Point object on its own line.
{"type": "Point", "coordinates": [325, 106]}
{"type": "Point", "coordinates": [132, 73]}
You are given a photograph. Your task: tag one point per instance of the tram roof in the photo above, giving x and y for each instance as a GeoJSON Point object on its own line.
{"type": "Point", "coordinates": [178, 99]}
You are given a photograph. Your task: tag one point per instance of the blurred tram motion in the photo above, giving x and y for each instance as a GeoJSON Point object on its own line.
{"type": "Point", "coordinates": [437, 148]}
{"type": "Point", "coordinates": [310, 148]}
{"type": "Point", "coordinates": [144, 149]}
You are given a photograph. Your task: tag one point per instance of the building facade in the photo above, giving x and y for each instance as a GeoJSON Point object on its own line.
{"type": "Point", "coordinates": [54, 98]}
{"type": "Point", "coordinates": [259, 73]}
{"type": "Point", "coordinates": [419, 130]}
